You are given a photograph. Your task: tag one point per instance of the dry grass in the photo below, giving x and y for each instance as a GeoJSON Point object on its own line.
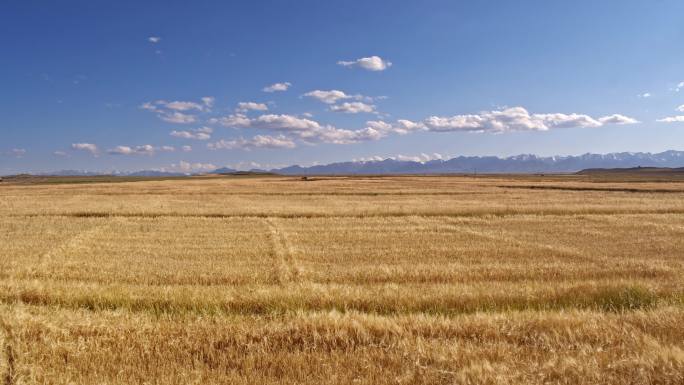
{"type": "Point", "coordinates": [435, 280]}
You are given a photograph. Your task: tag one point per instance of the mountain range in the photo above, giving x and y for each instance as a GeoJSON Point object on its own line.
{"type": "Point", "coordinates": [492, 164]}
{"type": "Point", "coordinates": [526, 163]}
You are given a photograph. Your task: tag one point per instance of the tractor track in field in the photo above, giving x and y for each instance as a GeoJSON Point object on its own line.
{"type": "Point", "coordinates": [502, 236]}
{"type": "Point", "coordinates": [285, 269]}
{"type": "Point", "coordinates": [74, 242]}
{"type": "Point", "coordinates": [8, 354]}
{"type": "Point", "coordinates": [492, 213]}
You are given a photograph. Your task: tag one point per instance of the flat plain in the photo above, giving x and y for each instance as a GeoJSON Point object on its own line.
{"type": "Point", "coordinates": [343, 280]}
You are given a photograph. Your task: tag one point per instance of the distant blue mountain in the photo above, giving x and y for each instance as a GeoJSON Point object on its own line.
{"type": "Point", "coordinates": [459, 165]}
{"type": "Point", "coordinates": [224, 170]}
{"type": "Point", "coordinates": [73, 173]}
{"type": "Point", "coordinates": [148, 173]}
{"type": "Point", "coordinates": [153, 173]}
{"type": "Point", "coordinates": [493, 164]}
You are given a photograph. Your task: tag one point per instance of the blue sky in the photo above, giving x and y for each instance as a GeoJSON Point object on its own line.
{"type": "Point", "coordinates": [126, 85]}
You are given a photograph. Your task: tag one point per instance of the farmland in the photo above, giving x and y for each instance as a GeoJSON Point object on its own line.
{"type": "Point", "coordinates": [343, 280]}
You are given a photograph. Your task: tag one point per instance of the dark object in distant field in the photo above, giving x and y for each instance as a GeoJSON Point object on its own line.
{"type": "Point", "coordinates": [634, 170]}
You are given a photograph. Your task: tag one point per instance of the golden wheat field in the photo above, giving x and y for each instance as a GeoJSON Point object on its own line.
{"type": "Point", "coordinates": [364, 280]}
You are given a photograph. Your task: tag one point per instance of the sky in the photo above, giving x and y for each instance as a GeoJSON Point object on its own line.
{"type": "Point", "coordinates": [190, 86]}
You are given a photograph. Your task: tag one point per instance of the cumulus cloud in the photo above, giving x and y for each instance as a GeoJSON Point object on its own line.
{"type": "Point", "coordinates": [645, 95]}
{"type": "Point", "coordinates": [178, 118]}
{"type": "Point", "coordinates": [421, 158]}
{"type": "Point", "coordinates": [183, 106]}
{"type": "Point", "coordinates": [510, 119]}
{"type": "Point", "coordinates": [15, 152]}
{"type": "Point", "coordinates": [146, 149]}
{"type": "Point", "coordinates": [617, 119]}
{"type": "Point", "coordinates": [277, 87]}
{"type": "Point", "coordinates": [328, 97]}
{"type": "Point", "coordinates": [269, 122]}
{"type": "Point", "coordinates": [333, 96]}
{"type": "Point", "coordinates": [184, 166]}
{"type": "Point", "coordinates": [251, 106]}
{"type": "Point", "coordinates": [679, 87]}
{"type": "Point", "coordinates": [305, 129]}
{"type": "Point", "coordinates": [203, 133]}
{"type": "Point", "coordinates": [60, 153]}
{"type": "Point", "coordinates": [404, 126]}
{"type": "Point", "coordinates": [208, 101]}
{"type": "Point", "coordinates": [258, 141]}
{"type": "Point", "coordinates": [180, 112]}
{"type": "Point", "coordinates": [186, 148]}
{"type": "Point", "coordinates": [372, 63]}
{"type": "Point", "coordinates": [154, 39]}
{"type": "Point", "coordinates": [672, 119]}
{"type": "Point", "coordinates": [353, 108]}
{"type": "Point", "coordinates": [88, 147]}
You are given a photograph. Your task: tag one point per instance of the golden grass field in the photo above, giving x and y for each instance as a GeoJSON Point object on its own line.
{"type": "Point", "coordinates": [392, 280]}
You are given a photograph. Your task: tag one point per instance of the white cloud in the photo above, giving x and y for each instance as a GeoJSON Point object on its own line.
{"type": "Point", "coordinates": [203, 133]}
{"type": "Point", "coordinates": [277, 87]}
{"type": "Point", "coordinates": [60, 153]}
{"type": "Point", "coordinates": [645, 95]}
{"type": "Point", "coordinates": [510, 119]}
{"type": "Point", "coordinates": [146, 149]}
{"type": "Point", "coordinates": [617, 119]}
{"type": "Point", "coordinates": [374, 158]}
{"type": "Point", "coordinates": [178, 118]}
{"type": "Point", "coordinates": [498, 121]}
{"type": "Point", "coordinates": [183, 106]}
{"type": "Point", "coordinates": [251, 106]}
{"type": "Point", "coordinates": [305, 129]}
{"type": "Point", "coordinates": [328, 97]}
{"type": "Point", "coordinates": [121, 150]}
{"type": "Point", "coordinates": [258, 141]}
{"type": "Point", "coordinates": [208, 101]}
{"type": "Point", "coordinates": [88, 147]}
{"type": "Point", "coordinates": [15, 152]}
{"type": "Point", "coordinates": [405, 126]}
{"type": "Point", "coordinates": [421, 158]}
{"type": "Point", "coordinates": [154, 39]}
{"type": "Point", "coordinates": [269, 122]}
{"type": "Point", "coordinates": [333, 96]}
{"type": "Point", "coordinates": [372, 63]}
{"type": "Point", "coordinates": [186, 148]}
{"type": "Point", "coordinates": [353, 108]}
{"type": "Point", "coordinates": [184, 166]}
{"type": "Point", "coordinates": [149, 106]}
{"type": "Point", "coordinates": [672, 119]}
{"type": "Point", "coordinates": [380, 126]}
{"type": "Point", "coordinates": [679, 87]}
{"type": "Point", "coordinates": [179, 112]}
